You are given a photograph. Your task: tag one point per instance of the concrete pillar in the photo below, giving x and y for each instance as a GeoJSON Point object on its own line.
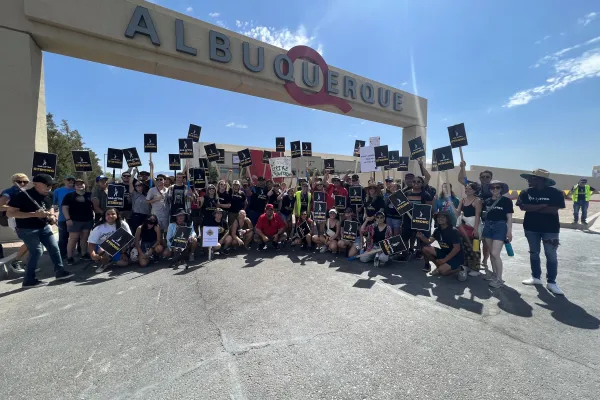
{"type": "Point", "coordinates": [409, 133]}
{"type": "Point", "coordinates": [22, 104]}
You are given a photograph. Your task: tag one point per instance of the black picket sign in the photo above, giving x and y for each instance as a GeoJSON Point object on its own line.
{"type": "Point", "coordinates": [280, 144]}
{"type": "Point", "coordinates": [82, 160]}
{"type": "Point", "coordinates": [434, 165]}
{"type": "Point", "coordinates": [295, 147]}
{"type": "Point", "coordinates": [114, 158]}
{"type": "Point", "coordinates": [417, 150]}
{"type": "Point", "coordinates": [319, 196]}
{"type": "Point", "coordinates": [194, 132]}
{"type": "Point", "coordinates": [174, 162]}
{"type": "Point", "coordinates": [381, 156]}
{"type": "Point", "coordinates": [245, 158]}
{"type": "Point", "coordinates": [458, 135]}
{"type": "Point", "coordinates": [116, 242]}
{"type": "Point", "coordinates": [186, 148]}
{"type": "Point", "coordinates": [150, 143]}
{"type": "Point", "coordinates": [181, 237]}
{"type": "Point", "coordinates": [221, 159]}
{"type": "Point", "coordinates": [355, 194]}
{"type": "Point", "coordinates": [43, 163]}
{"type": "Point", "coordinates": [401, 202]}
{"type": "Point", "coordinates": [393, 245]}
{"type": "Point", "coordinates": [303, 229]}
{"type": "Point", "coordinates": [115, 196]}
{"type": "Point", "coordinates": [394, 157]}
{"type": "Point", "coordinates": [211, 152]}
{"type": "Point", "coordinates": [402, 164]}
{"type": "Point", "coordinates": [329, 164]}
{"type": "Point", "coordinates": [203, 163]}
{"type": "Point", "coordinates": [199, 176]}
{"type": "Point", "coordinates": [266, 156]}
{"type": "Point", "coordinates": [132, 158]}
{"type": "Point", "coordinates": [306, 149]}
{"type": "Point", "coordinates": [444, 158]}
{"type": "Point", "coordinates": [320, 211]}
{"type": "Point", "coordinates": [357, 145]}
{"type": "Point", "coordinates": [340, 203]}
{"type": "Point", "coordinates": [350, 230]}
{"type": "Point", "coordinates": [421, 217]}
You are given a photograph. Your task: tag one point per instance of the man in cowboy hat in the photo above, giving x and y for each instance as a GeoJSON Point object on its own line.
{"type": "Point", "coordinates": [541, 203]}
{"type": "Point", "coordinates": [181, 219]}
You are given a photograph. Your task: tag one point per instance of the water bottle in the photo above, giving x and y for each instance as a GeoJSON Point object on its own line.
{"type": "Point", "coordinates": [476, 244]}
{"type": "Point", "coordinates": [509, 249]}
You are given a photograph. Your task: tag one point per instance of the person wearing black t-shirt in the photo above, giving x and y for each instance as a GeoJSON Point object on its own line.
{"type": "Point", "coordinates": [416, 195]}
{"type": "Point", "coordinates": [541, 203]}
{"type": "Point", "coordinates": [224, 195]}
{"type": "Point", "coordinates": [33, 212]}
{"type": "Point", "coordinates": [238, 202]}
{"type": "Point", "coordinates": [449, 258]}
{"type": "Point", "coordinates": [373, 202]}
{"type": "Point", "coordinates": [286, 208]}
{"type": "Point", "coordinates": [208, 205]}
{"type": "Point", "coordinates": [259, 200]}
{"type": "Point", "coordinates": [497, 229]}
{"type": "Point", "coordinates": [273, 195]}
{"type": "Point", "coordinates": [78, 209]}
{"type": "Point", "coordinates": [178, 196]}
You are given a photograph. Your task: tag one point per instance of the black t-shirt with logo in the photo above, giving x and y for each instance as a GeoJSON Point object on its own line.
{"type": "Point", "coordinates": [81, 208]}
{"type": "Point", "coordinates": [208, 209]}
{"type": "Point", "coordinates": [259, 199]}
{"type": "Point", "coordinates": [447, 238]}
{"type": "Point", "coordinates": [373, 205]}
{"type": "Point", "coordinates": [177, 197]}
{"type": "Point", "coordinates": [500, 210]}
{"type": "Point", "coordinates": [24, 204]}
{"type": "Point", "coordinates": [538, 222]}
{"type": "Point", "coordinates": [287, 204]}
{"type": "Point", "coordinates": [238, 199]}
{"type": "Point", "coordinates": [224, 198]}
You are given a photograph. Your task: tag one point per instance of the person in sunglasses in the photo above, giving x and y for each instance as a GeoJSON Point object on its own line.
{"type": "Point", "coordinates": [497, 229]}
{"type": "Point", "coordinates": [140, 209]}
{"type": "Point", "coordinates": [156, 197]}
{"type": "Point", "coordinates": [416, 195]}
{"type": "Point", "coordinates": [449, 257]}
{"type": "Point", "coordinates": [148, 241]}
{"type": "Point", "coordinates": [20, 181]}
{"type": "Point", "coordinates": [78, 209]}
{"type": "Point", "coordinates": [57, 198]}
{"type": "Point", "coordinates": [34, 214]}
{"type": "Point", "coordinates": [208, 205]}
{"type": "Point", "coordinates": [376, 233]}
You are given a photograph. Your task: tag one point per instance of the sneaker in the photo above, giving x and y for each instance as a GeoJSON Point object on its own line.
{"type": "Point", "coordinates": [323, 249]}
{"type": "Point", "coordinates": [304, 247]}
{"type": "Point", "coordinates": [419, 256]}
{"type": "Point", "coordinates": [86, 257]}
{"type": "Point", "coordinates": [101, 268]}
{"type": "Point", "coordinates": [34, 283]}
{"type": "Point", "coordinates": [474, 273]}
{"type": "Point", "coordinates": [489, 276]}
{"type": "Point", "coordinates": [575, 221]}
{"type": "Point", "coordinates": [462, 274]}
{"type": "Point", "coordinates": [427, 267]}
{"type": "Point", "coordinates": [191, 258]}
{"type": "Point", "coordinates": [584, 222]}
{"type": "Point", "coordinates": [376, 260]}
{"type": "Point", "coordinates": [63, 275]}
{"type": "Point", "coordinates": [275, 245]}
{"type": "Point", "coordinates": [226, 251]}
{"type": "Point", "coordinates": [401, 258]}
{"type": "Point", "coordinates": [532, 281]}
{"type": "Point", "coordinates": [262, 247]}
{"type": "Point", "coordinates": [553, 287]}
{"type": "Point", "coordinates": [17, 267]}
{"type": "Point", "coordinates": [496, 283]}
{"type": "Point", "coordinates": [70, 261]}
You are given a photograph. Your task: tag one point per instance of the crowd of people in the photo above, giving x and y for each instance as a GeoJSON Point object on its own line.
{"type": "Point", "coordinates": [265, 214]}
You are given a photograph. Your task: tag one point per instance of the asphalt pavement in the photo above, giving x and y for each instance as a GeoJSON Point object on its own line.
{"type": "Point", "coordinates": [294, 325]}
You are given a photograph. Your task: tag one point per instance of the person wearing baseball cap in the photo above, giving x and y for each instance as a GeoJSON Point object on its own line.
{"type": "Point", "coordinates": [57, 198]}
{"type": "Point", "coordinates": [335, 189]}
{"type": "Point", "coordinates": [541, 203]}
{"type": "Point", "coordinates": [269, 228]}
{"type": "Point", "coordinates": [34, 214]}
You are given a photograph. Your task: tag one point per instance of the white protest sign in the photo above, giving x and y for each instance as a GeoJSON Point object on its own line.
{"type": "Point", "coordinates": [210, 236]}
{"type": "Point", "coordinates": [281, 167]}
{"type": "Point", "coordinates": [367, 159]}
{"type": "Point", "coordinates": [235, 159]}
{"type": "Point", "coordinates": [375, 141]}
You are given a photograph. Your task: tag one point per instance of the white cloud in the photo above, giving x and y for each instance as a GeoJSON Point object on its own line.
{"type": "Point", "coordinates": [404, 84]}
{"type": "Point", "coordinates": [565, 72]}
{"type": "Point", "coordinates": [234, 125]}
{"type": "Point", "coordinates": [489, 110]}
{"type": "Point", "coordinates": [221, 24]}
{"type": "Point", "coordinates": [362, 122]}
{"type": "Point", "coordinates": [586, 19]}
{"type": "Point", "coordinates": [542, 40]}
{"type": "Point", "coordinates": [214, 14]}
{"type": "Point", "coordinates": [189, 9]}
{"type": "Point", "coordinates": [283, 37]}
{"type": "Point", "coordinates": [555, 56]}
{"type": "Point", "coordinates": [353, 136]}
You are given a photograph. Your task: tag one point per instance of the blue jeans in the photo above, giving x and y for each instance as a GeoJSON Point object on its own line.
{"type": "Point", "coordinates": [583, 206]}
{"type": "Point", "coordinates": [34, 239]}
{"type": "Point", "coordinates": [550, 242]}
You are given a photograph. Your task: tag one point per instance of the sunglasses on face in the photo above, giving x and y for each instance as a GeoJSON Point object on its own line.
{"type": "Point", "coordinates": [496, 187]}
{"type": "Point", "coordinates": [151, 222]}
{"type": "Point", "coordinates": [485, 177]}
{"type": "Point", "coordinates": [22, 182]}
{"type": "Point", "coordinates": [159, 179]}
{"type": "Point", "coordinates": [417, 182]}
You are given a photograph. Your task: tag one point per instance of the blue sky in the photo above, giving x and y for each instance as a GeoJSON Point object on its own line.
{"type": "Point", "coordinates": [522, 75]}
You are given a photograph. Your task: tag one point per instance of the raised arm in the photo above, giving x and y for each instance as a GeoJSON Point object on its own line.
{"type": "Point", "coordinates": [426, 174]}
{"type": "Point", "coordinates": [462, 174]}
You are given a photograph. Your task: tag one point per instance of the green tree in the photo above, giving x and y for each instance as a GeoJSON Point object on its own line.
{"type": "Point", "coordinates": [61, 141]}
{"type": "Point", "coordinates": [213, 176]}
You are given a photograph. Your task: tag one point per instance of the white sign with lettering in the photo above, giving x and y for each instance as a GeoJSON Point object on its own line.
{"type": "Point", "coordinates": [281, 167]}
{"type": "Point", "coordinates": [367, 159]}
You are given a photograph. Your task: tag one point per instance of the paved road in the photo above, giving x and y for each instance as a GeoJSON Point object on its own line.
{"type": "Point", "coordinates": [299, 326]}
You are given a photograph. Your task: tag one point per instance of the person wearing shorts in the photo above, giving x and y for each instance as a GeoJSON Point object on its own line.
{"type": "Point", "coordinates": [78, 210]}
{"type": "Point", "coordinates": [449, 258]}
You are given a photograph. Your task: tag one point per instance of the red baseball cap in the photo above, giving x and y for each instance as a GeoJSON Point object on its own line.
{"type": "Point", "coordinates": [269, 207]}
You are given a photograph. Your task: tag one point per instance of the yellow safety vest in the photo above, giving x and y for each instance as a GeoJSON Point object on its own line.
{"type": "Point", "coordinates": [588, 193]}
{"type": "Point", "coordinates": [297, 206]}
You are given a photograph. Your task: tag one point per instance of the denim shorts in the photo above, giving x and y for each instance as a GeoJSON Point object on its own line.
{"type": "Point", "coordinates": [495, 230]}
{"type": "Point", "coordinates": [80, 226]}
{"type": "Point", "coordinates": [394, 223]}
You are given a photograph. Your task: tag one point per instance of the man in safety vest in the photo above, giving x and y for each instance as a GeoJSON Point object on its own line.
{"type": "Point", "coordinates": [581, 194]}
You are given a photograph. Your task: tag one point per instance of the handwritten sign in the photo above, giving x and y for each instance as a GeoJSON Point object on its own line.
{"type": "Point", "coordinates": [281, 167]}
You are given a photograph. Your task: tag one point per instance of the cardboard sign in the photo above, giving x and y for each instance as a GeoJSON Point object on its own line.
{"type": "Point", "coordinates": [43, 163]}
{"type": "Point", "coordinates": [114, 158]}
{"type": "Point", "coordinates": [221, 159]}
{"type": "Point", "coordinates": [115, 196]}
{"type": "Point", "coordinates": [132, 158]}
{"type": "Point", "coordinates": [295, 146]}
{"type": "Point", "coordinates": [393, 245]}
{"type": "Point", "coordinates": [444, 158]}
{"type": "Point", "coordinates": [434, 165]}
{"type": "Point", "coordinates": [210, 236]}
{"type": "Point", "coordinates": [116, 242]}
{"type": "Point", "coordinates": [174, 162]}
{"type": "Point", "coordinates": [320, 211]}
{"type": "Point", "coordinates": [394, 156]}
{"type": "Point", "coordinates": [381, 156]}
{"type": "Point", "coordinates": [199, 176]}
{"type": "Point", "coordinates": [421, 217]}
{"type": "Point", "coordinates": [304, 230]}
{"type": "Point", "coordinates": [280, 144]}
{"type": "Point", "coordinates": [417, 150]}
{"type": "Point", "coordinates": [340, 203]}
{"type": "Point", "coordinates": [281, 167]}
{"type": "Point", "coordinates": [266, 156]}
{"type": "Point", "coordinates": [319, 196]}
{"type": "Point", "coordinates": [150, 143]}
{"type": "Point", "coordinates": [186, 148]}
{"type": "Point", "coordinates": [194, 132]}
{"type": "Point", "coordinates": [203, 163]}
{"type": "Point", "coordinates": [211, 152]}
{"type": "Point", "coordinates": [374, 141]}
{"type": "Point", "coordinates": [367, 160]}
{"type": "Point", "coordinates": [402, 164]}
{"type": "Point", "coordinates": [350, 230]}
{"type": "Point", "coordinates": [401, 202]}
{"type": "Point", "coordinates": [355, 194]}
{"type": "Point", "coordinates": [82, 160]}
{"type": "Point", "coordinates": [306, 149]}
{"type": "Point", "coordinates": [245, 158]}
{"type": "Point", "coordinates": [329, 164]}
{"type": "Point", "coordinates": [357, 145]}
{"type": "Point", "coordinates": [181, 237]}
{"type": "Point", "coordinates": [458, 135]}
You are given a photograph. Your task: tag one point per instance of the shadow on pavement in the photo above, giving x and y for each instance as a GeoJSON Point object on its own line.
{"type": "Point", "coordinates": [511, 302]}
{"type": "Point", "coordinates": [566, 312]}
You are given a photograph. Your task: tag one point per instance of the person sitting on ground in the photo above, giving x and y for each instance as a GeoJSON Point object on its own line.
{"type": "Point", "coordinates": [329, 239]}
{"type": "Point", "coordinates": [449, 258]}
{"type": "Point", "coordinates": [269, 228]}
{"type": "Point", "coordinates": [181, 219]}
{"type": "Point", "coordinates": [223, 227]}
{"type": "Point", "coordinates": [148, 241]}
{"type": "Point", "coordinates": [241, 232]}
{"type": "Point", "coordinates": [109, 223]}
{"type": "Point", "coordinates": [351, 246]}
{"type": "Point", "coordinates": [306, 242]}
{"type": "Point", "coordinates": [377, 232]}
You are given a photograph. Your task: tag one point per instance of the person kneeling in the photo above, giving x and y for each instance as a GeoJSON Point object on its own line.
{"type": "Point", "coordinates": [269, 228]}
{"type": "Point", "coordinates": [148, 241]}
{"type": "Point", "coordinates": [449, 257]}
{"type": "Point", "coordinates": [377, 232]}
{"type": "Point", "coordinates": [181, 218]}
{"type": "Point", "coordinates": [109, 223]}
{"type": "Point", "coordinates": [241, 232]}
